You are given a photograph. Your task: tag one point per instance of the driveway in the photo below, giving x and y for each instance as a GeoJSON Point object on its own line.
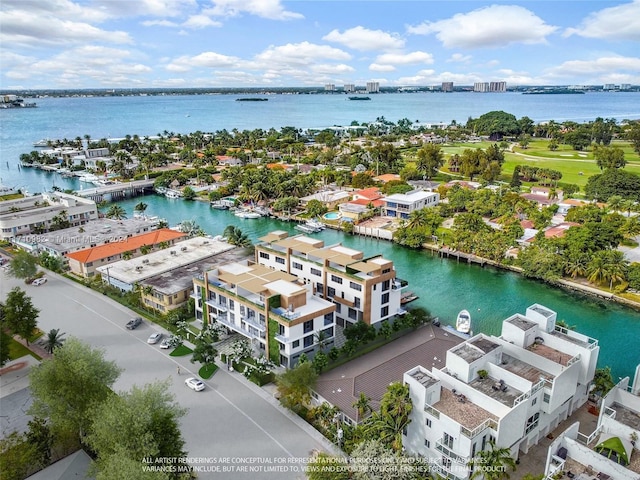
{"type": "Point", "coordinates": [231, 425]}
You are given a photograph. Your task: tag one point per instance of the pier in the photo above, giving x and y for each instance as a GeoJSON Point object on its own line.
{"type": "Point", "coordinates": [118, 190]}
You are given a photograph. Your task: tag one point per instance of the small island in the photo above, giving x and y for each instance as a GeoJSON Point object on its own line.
{"type": "Point", "coordinates": [554, 91]}
{"type": "Point", "coordinates": [252, 99]}
{"type": "Point", "coordinates": [359, 98]}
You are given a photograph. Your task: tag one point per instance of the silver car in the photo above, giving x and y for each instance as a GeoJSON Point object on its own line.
{"type": "Point", "coordinates": [154, 338]}
{"type": "Point", "coordinates": [194, 384]}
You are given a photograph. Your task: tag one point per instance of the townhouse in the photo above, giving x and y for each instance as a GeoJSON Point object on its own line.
{"type": "Point", "coordinates": [400, 205]}
{"type": "Point", "coordinates": [362, 289]}
{"type": "Point", "coordinates": [511, 390]}
{"type": "Point", "coordinates": [277, 313]}
{"type": "Point", "coordinates": [611, 450]}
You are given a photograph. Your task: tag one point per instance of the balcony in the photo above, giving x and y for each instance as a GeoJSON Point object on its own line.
{"type": "Point", "coordinates": [432, 411]}
{"type": "Point", "coordinates": [282, 338]}
{"type": "Point", "coordinates": [218, 306]}
{"type": "Point", "coordinates": [254, 323]}
{"type": "Point", "coordinates": [445, 450]}
{"type": "Point", "coordinates": [284, 313]}
{"type": "Point", "coordinates": [488, 423]}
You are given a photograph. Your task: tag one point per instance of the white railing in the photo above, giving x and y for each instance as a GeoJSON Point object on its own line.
{"type": "Point", "coordinates": [488, 423]}
{"type": "Point", "coordinates": [445, 450]}
{"type": "Point", "coordinates": [431, 410]}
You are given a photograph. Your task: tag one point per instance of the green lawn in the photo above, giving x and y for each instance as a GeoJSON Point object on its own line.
{"type": "Point", "coordinates": [181, 351]}
{"type": "Point", "coordinates": [17, 350]}
{"type": "Point", "coordinates": [207, 371]}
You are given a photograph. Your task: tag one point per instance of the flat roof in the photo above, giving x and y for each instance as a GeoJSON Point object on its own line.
{"type": "Point", "coordinates": [177, 256]}
{"type": "Point", "coordinates": [94, 232]}
{"type": "Point", "coordinates": [521, 322]}
{"type": "Point", "coordinates": [180, 279]}
{"type": "Point", "coordinates": [365, 267]}
{"type": "Point", "coordinates": [118, 247]}
{"type": "Point", "coordinates": [410, 197]}
{"type": "Point", "coordinates": [467, 413]}
{"type": "Point", "coordinates": [284, 287]}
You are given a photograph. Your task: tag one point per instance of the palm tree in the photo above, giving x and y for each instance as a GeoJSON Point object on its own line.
{"type": "Point", "coordinates": [597, 268]}
{"type": "Point", "coordinates": [321, 339]}
{"type": "Point", "coordinates": [235, 237]}
{"type": "Point", "coordinates": [576, 267]}
{"type": "Point", "coordinates": [418, 218]}
{"type": "Point", "coordinates": [116, 212]}
{"type": "Point", "coordinates": [54, 340]}
{"type": "Point", "coordinates": [362, 406]}
{"type": "Point", "coordinates": [140, 207]}
{"type": "Point", "coordinates": [493, 463]}
{"type": "Point", "coordinates": [616, 202]}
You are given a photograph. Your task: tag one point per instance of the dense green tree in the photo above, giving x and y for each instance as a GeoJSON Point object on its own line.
{"type": "Point", "coordinates": [205, 353]}
{"type": "Point", "coordinates": [632, 134]}
{"type": "Point", "coordinates": [609, 157]}
{"type": "Point", "coordinates": [541, 262]}
{"type": "Point", "coordinates": [492, 464]}
{"type": "Point", "coordinates": [579, 138]}
{"type": "Point", "coordinates": [316, 208]}
{"type": "Point", "coordinates": [362, 180]}
{"type": "Point", "coordinates": [320, 362]}
{"type": "Point", "coordinates": [633, 276]}
{"type": "Point", "coordinates": [188, 193]}
{"type": "Point", "coordinates": [323, 466]}
{"type": "Point", "coordinates": [40, 437]}
{"type": "Point", "coordinates": [294, 385]}
{"type": "Point", "coordinates": [18, 457]}
{"type": "Point", "coordinates": [138, 424]}
{"type": "Point", "coordinates": [69, 387]}
{"type": "Point", "coordinates": [430, 160]}
{"type": "Point", "coordinates": [50, 262]}
{"type": "Point", "coordinates": [5, 343]}
{"type": "Point", "coordinates": [19, 314]}
{"type": "Point", "coordinates": [603, 381]}
{"type": "Point", "coordinates": [23, 265]}
{"type": "Point", "coordinates": [388, 424]}
{"type": "Point", "coordinates": [496, 124]}
{"type": "Point", "coordinates": [362, 406]}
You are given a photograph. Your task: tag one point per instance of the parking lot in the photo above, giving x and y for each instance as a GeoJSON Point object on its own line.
{"type": "Point", "coordinates": [232, 422]}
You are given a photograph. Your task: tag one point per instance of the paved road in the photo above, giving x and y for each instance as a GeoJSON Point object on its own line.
{"type": "Point", "coordinates": [229, 420]}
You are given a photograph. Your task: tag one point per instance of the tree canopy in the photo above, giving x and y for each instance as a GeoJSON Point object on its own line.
{"type": "Point", "coordinates": [611, 182]}
{"type": "Point", "coordinates": [495, 124]}
{"type": "Point", "coordinates": [19, 315]}
{"type": "Point", "coordinates": [23, 265]}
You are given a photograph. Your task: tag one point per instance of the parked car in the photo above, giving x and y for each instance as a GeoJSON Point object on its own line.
{"type": "Point", "coordinates": [134, 323]}
{"type": "Point", "coordinates": [166, 343]}
{"type": "Point", "coordinates": [39, 281]}
{"type": "Point", "coordinates": [194, 384]}
{"type": "Point", "coordinates": [154, 338]}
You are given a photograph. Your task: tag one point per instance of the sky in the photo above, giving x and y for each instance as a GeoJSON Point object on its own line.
{"type": "Point", "coordinates": [111, 44]}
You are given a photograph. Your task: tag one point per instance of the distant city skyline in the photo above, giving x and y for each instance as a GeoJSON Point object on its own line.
{"type": "Point", "coordinates": [67, 44]}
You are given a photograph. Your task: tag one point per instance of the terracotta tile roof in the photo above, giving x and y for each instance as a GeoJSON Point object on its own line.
{"type": "Point", "coordinates": [387, 177]}
{"type": "Point", "coordinates": [372, 193]}
{"type": "Point", "coordinates": [131, 243]}
{"type": "Point", "coordinates": [366, 202]}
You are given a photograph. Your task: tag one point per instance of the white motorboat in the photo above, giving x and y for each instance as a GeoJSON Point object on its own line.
{"type": "Point", "coordinates": [173, 194]}
{"type": "Point", "coordinates": [306, 228]}
{"type": "Point", "coordinates": [463, 322]}
{"type": "Point", "coordinates": [313, 223]}
{"type": "Point", "coordinates": [247, 214]}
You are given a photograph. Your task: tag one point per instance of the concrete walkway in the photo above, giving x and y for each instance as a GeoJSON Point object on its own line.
{"type": "Point", "coordinates": [534, 461]}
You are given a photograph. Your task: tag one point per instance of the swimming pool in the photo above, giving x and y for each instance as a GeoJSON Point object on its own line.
{"type": "Point", "coordinates": [332, 215]}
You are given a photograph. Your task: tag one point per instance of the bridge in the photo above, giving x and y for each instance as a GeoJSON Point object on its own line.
{"type": "Point", "coordinates": [138, 187]}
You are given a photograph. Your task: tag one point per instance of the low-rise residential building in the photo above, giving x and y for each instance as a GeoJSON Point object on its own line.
{"type": "Point", "coordinates": [127, 274]}
{"type": "Point", "coordinates": [172, 289]}
{"type": "Point", "coordinates": [400, 205]}
{"type": "Point", "coordinates": [85, 262]}
{"type": "Point", "coordinates": [92, 234]}
{"type": "Point", "coordinates": [329, 198]}
{"type": "Point", "coordinates": [362, 289]}
{"type": "Point", "coordinates": [42, 213]}
{"type": "Point", "coordinates": [511, 390]}
{"type": "Point", "coordinates": [611, 450]}
{"type": "Point", "coordinates": [280, 315]}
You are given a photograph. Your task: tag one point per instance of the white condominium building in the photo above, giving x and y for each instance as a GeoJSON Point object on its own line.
{"type": "Point", "coordinates": [361, 288]}
{"type": "Point", "coordinates": [511, 390]}
{"type": "Point", "coordinates": [373, 87]}
{"type": "Point", "coordinates": [280, 316]}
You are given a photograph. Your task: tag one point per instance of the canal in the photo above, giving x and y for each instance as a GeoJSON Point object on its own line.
{"type": "Point", "coordinates": [445, 286]}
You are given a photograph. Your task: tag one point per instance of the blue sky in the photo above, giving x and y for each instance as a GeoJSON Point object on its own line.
{"type": "Point", "coordinates": [262, 43]}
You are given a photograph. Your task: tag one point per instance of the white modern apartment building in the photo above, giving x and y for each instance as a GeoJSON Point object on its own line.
{"type": "Point", "coordinates": [400, 205]}
{"type": "Point", "coordinates": [361, 288]}
{"type": "Point", "coordinates": [35, 214]}
{"type": "Point", "coordinates": [349, 88]}
{"type": "Point", "coordinates": [611, 451]}
{"type": "Point", "coordinates": [512, 390]}
{"type": "Point", "coordinates": [280, 315]}
{"type": "Point", "coordinates": [373, 87]}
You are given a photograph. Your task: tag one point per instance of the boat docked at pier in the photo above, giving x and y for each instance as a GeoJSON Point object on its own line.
{"type": "Point", "coordinates": [247, 214]}
{"type": "Point", "coordinates": [408, 297]}
{"type": "Point", "coordinates": [463, 322]}
{"type": "Point", "coordinates": [173, 193]}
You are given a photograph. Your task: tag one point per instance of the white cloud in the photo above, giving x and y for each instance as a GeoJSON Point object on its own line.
{"type": "Point", "coordinates": [299, 54]}
{"type": "Point", "coordinates": [205, 59]}
{"type": "Point", "coordinates": [329, 69]}
{"type": "Point", "coordinates": [360, 38]}
{"type": "Point", "coordinates": [602, 65]}
{"type": "Point", "coordinates": [493, 26]}
{"type": "Point", "coordinates": [411, 58]}
{"type": "Point", "coordinates": [431, 77]}
{"type": "Point", "coordinates": [200, 21]}
{"type": "Point", "coordinates": [22, 27]}
{"type": "Point", "coordinates": [376, 67]}
{"type": "Point", "coordinates": [155, 8]}
{"type": "Point", "coordinates": [619, 22]}
{"type": "Point", "coordinates": [459, 58]}
{"type": "Point", "coordinates": [160, 23]}
{"type": "Point", "coordinates": [271, 9]}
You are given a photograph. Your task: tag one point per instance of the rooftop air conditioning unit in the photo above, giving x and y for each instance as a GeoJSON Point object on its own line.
{"type": "Point", "coordinates": [139, 267]}
{"type": "Point", "coordinates": [183, 249]}
{"type": "Point", "coordinates": [173, 252]}
{"type": "Point", "coordinates": [146, 260]}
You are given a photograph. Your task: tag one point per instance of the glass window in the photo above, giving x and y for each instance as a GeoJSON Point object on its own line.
{"type": "Point", "coordinates": [297, 266]}
{"type": "Point", "coordinates": [295, 344]}
{"type": "Point", "coordinates": [315, 271]}
{"type": "Point", "coordinates": [385, 285]}
{"type": "Point", "coordinates": [308, 341]}
{"type": "Point", "coordinates": [336, 279]}
{"type": "Point", "coordinates": [280, 260]}
{"type": "Point", "coordinates": [384, 312]}
{"type": "Point", "coordinates": [307, 327]}
{"type": "Point", "coordinates": [546, 397]}
{"type": "Point", "coordinates": [331, 292]}
{"type": "Point", "coordinates": [328, 319]}
{"type": "Point", "coordinates": [264, 255]}
{"type": "Point", "coordinates": [355, 286]}
{"type": "Point", "coordinates": [353, 314]}
{"type": "Point", "coordinates": [385, 298]}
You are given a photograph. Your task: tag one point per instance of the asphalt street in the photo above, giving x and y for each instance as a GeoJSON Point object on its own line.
{"type": "Point", "coordinates": [233, 429]}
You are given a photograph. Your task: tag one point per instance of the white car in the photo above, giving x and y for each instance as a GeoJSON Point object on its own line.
{"type": "Point", "coordinates": [39, 281]}
{"type": "Point", "coordinates": [194, 384]}
{"type": "Point", "coordinates": [166, 343]}
{"type": "Point", "coordinates": [154, 338]}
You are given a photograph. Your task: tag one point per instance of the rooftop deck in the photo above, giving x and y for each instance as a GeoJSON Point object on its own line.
{"type": "Point", "coordinates": [627, 416]}
{"type": "Point", "coordinates": [524, 370]}
{"type": "Point", "coordinates": [472, 350]}
{"type": "Point", "coordinates": [491, 387]}
{"type": "Point", "coordinates": [551, 354]}
{"type": "Point", "coordinates": [466, 413]}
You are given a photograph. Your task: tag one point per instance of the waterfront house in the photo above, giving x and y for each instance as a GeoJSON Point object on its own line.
{"type": "Point", "coordinates": [329, 198]}
{"type": "Point", "coordinates": [41, 213]}
{"type": "Point", "coordinates": [85, 262]}
{"type": "Point", "coordinates": [362, 288]}
{"type": "Point", "coordinates": [511, 390]}
{"type": "Point", "coordinates": [400, 205]}
{"type": "Point", "coordinates": [279, 315]}
{"type": "Point", "coordinates": [611, 450]}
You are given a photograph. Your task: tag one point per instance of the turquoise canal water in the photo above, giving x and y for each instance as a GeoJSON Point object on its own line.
{"type": "Point", "coordinates": [445, 287]}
